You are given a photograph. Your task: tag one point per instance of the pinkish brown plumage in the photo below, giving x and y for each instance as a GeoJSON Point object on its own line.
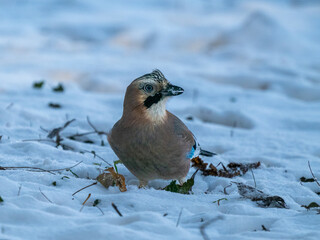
{"type": "Point", "coordinates": [150, 141]}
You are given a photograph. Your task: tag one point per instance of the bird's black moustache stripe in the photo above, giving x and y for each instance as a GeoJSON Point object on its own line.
{"type": "Point", "coordinates": [152, 100]}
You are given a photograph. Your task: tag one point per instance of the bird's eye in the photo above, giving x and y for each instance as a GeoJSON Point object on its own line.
{"type": "Point", "coordinates": [148, 88]}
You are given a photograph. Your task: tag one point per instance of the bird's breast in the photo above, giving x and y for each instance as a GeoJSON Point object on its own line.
{"type": "Point", "coordinates": [150, 151]}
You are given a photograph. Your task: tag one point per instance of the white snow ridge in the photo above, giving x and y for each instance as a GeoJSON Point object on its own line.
{"type": "Point", "coordinates": [251, 75]}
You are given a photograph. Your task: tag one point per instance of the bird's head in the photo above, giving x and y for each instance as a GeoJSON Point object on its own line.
{"type": "Point", "coordinates": [149, 94]}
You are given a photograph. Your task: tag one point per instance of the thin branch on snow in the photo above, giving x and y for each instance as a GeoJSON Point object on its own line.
{"type": "Point", "coordinates": [96, 155]}
{"type": "Point", "coordinates": [95, 130]}
{"type": "Point", "coordinates": [58, 139]}
{"type": "Point", "coordinates": [315, 179]}
{"type": "Point", "coordinates": [116, 209]}
{"type": "Point", "coordinates": [9, 106]}
{"type": "Point", "coordinates": [67, 169]}
{"type": "Point", "coordinates": [43, 129]}
{"type": "Point", "coordinates": [81, 134]}
{"type": "Point", "coordinates": [179, 218]}
{"type": "Point", "coordinates": [233, 128]}
{"type": "Point", "coordinates": [254, 179]}
{"type": "Point", "coordinates": [38, 140]}
{"type": "Point", "coordinates": [36, 169]}
{"type": "Point", "coordinates": [206, 224]}
{"type": "Point", "coordinates": [224, 168]}
{"type": "Point", "coordinates": [83, 204]}
{"type": "Point", "coordinates": [19, 190]}
{"type": "Point", "coordinates": [45, 196]}
{"type": "Point", "coordinates": [56, 131]}
{"type": "Point", "coordinates": [261, 198]}
{"type": "Point", "coordinates": [30, 169]}
{"type": "Point", "coordinates": [225, 189]}
{"type": "Point", "coordinates": [264, 228]}
{"type": "Point", "coordinates": [57, 142]}
{"type": "Point", "coordinates": [64, 146]}
{"type": "Point", "coordinates": [84, 188]}
{"type": "Point", "coordinates": [100, 209]}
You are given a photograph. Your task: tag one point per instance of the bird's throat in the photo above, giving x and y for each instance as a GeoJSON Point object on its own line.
{"type": "Point", "coordinates": [157, 112]}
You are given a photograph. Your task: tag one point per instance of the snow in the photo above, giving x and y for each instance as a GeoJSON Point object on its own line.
{"type": "Point", "coordinates": [250, 71]}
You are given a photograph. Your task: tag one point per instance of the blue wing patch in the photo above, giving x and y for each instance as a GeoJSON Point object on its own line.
{"type": "Point", "coordinates": [191, 153]}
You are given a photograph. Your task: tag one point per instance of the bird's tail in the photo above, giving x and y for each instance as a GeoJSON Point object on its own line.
{"type": "Point", "coordinates": [206, 153]}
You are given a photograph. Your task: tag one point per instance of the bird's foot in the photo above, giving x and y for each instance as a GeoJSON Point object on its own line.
{"type": "Point", "coordinates": [143, 184]}
{"type": "Point", "coordinates": [182, 181]}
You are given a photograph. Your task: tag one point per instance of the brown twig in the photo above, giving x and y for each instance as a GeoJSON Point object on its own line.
{"type": "Point", "coordinates": [58, 139]}
{"type": "Point", "coordinates": [84, 188]}
{"type": "Point", "coordinates": [57, 142]}
{"type": "Point", "coordinates": [224, 168]}
{"type": "Point", "coordinates": [45, 196]}
{"type": "Point", "coordinates": [30, 169]}
{"type": "Point", "coordinates": [96, 155]}
{"type": "Point", "coordinates": [56, 131]}
{"type": "Point", "coordinates": [95, 129]}
{"type": "Point", "coordinates": [19, 189]}
{"type": "Point", "coordinates": [89, 195]}
{"type": "Point", "coordinates": [219, 200]}
{"type": "Point", "coordinates": [81, 134]}
{"type": "Point", "coordinates": [225, 189]}
{"type": "Point", "coordinates": [206, 224]}
{"type": "Point", "coordinates": [36, 169]}
{"type": "Point", "coordinates": [315, 179]}
{"type": "Point", "coordinates": [264, 228]}
{"type": "Point", "coordinates": [43, 129]}
{"type": "Point", "coordinates": [9, 106]}
{"type": "Point", "coordinates": [100, 209]}
{"type": "Point", "coordinates": [233, 128]}
{"type": "Point", "coordinates": [254, 179]}
{"type": "Point", "coordinates": [116, 209]}
{"type": "Point", "coordinates": [68, 168]}
{"type": "Point", "coordinates": [38, 140]}
{"type": "Point", "coordinates": [179, 218]}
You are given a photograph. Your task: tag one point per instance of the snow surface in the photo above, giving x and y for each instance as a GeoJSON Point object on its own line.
{"type": "Point", "coordinates": [253, 63]}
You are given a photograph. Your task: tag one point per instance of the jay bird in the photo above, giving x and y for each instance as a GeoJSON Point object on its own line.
{"type": "Point", "coordinates": [149, 140]}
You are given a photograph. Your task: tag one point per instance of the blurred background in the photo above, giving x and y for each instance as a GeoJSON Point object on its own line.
{"type": "Point", "coordinates": [103, 45]}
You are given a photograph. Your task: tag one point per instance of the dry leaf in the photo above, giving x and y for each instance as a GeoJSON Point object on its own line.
{"type": "Point", "coordinates": [243, 167]}
{"type": "Point", "coordinates": [261, 198]}
{"type": "Point", "coordinates": [111, 178]}
{"type": "Point", "coordinates": [232, 170]}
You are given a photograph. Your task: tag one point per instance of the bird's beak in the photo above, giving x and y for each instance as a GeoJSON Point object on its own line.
{"type": "Point", "coordinates": [172, 90]}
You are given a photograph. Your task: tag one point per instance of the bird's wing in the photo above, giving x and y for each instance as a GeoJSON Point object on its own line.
{"type": "Point", "coordinates": [188, 139]}
{"type": "Point", "coordinates": [182, 132]}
